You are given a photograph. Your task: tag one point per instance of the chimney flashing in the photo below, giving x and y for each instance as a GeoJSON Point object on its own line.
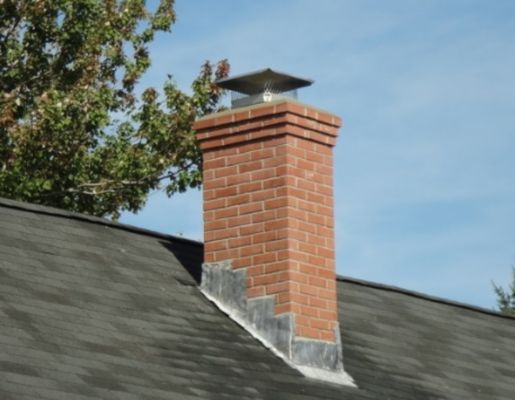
{"type": "Point", "coordinates": [315, 359]}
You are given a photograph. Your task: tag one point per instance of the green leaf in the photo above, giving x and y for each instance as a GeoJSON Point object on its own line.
{"type": "Point", "coordinates": [74, 133]}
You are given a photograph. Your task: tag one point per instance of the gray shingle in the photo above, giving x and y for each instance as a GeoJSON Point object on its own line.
{"type": "Point", "coordinates": [92, 309]}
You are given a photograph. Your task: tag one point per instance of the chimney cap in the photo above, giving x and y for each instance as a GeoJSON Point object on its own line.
{"type": "Point", "coordinates": [263, 80]}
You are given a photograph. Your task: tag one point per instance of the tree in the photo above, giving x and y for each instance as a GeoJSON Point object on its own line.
{"type": "Point", "coordinates": [74, 134]}
{"type": "Point", "coordinates": [506, 299]}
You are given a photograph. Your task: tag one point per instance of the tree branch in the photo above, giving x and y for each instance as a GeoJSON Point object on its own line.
{"type": "Point", "coordinates": [120, 185]}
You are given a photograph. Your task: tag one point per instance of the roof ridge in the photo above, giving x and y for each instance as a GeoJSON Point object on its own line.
{"type": "Point", "coordinates": [57, 212]}
{"type": "Point", "coordinates": [424, 296]}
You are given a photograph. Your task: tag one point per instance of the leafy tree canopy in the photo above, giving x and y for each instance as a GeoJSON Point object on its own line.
{"type": "Point", "coordinates": [506, 299]}
{"type": "Point", "coordinates": [73, 132]}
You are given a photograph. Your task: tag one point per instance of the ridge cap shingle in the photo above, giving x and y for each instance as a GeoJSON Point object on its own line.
{"type": "Point", "coordinates": [423, 296]}
{"type": "Point", "coordinates": [57, 212]}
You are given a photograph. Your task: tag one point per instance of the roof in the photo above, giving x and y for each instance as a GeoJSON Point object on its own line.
{"type": "Point", "coordinates": [94, 309]}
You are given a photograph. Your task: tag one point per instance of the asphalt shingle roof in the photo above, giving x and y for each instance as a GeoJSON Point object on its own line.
{"type": "Point", "coordinates": [91, 309]}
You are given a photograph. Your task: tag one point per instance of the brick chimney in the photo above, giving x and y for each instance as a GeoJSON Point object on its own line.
{"type": "Point", "coordinates": [268, 225]}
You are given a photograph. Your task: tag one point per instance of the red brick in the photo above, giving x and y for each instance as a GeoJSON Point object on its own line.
{"type": "Point", "coordinates": [276, 203]}
{"type": "Point", "coordinates": [250, 166]}
{"type": "Point", "coordinates": [251, 250]}
{"type": "Point", "coordinates": [325, 253]}
{"type": "Point", "coordinates": [240, 199]}
{"type": "Point", "coordinates": [262, 111]}
{"type": "Point", "coordinates": [255, 270]}
{"type": "Point", "coordinates": [267, 236]}
{"type": "Point", "coordinates": [268, 206]}
{"type": "Point", "coordinates": [277, 287]}
{"type": "Point", "coordinates": [241, 262]}
{"type": "Point", "coordinates": [208, 175]}
{"type": "Point", "coordinates": [225, 255]}
{"type": "Point", "coordinates": [266, 279]}
{"type": "Point", "coordinates": [239, 221]}
{"type": "Point", "coordinates": [308, 185]}
{"type": "Point", "coordinates": [239, 242]}
{"type": "Point", "coordinates": [250, 208]}
{"type": "Point", "coordinates": [223, 193]}
{"type": "Point", "coordinates": [308, 269]}
{"type": "Point", "coordinates": [262, 154]}
{"type": "Point", "coordinates": [327, 336]}
{"type": "Point", "coordinates": [308, 289]}
{"type": "Point", "coordinates": [226, 233]}
{"type": "Point", "coordinates": [307, 332]}
{"type": "Point", "coordinates": [278, 245]}
{"type": "Point", "coordinates": [326, 294]}
{"type": "Point", "coordinates": [263, 174]}
{"type": "Point", "coordinates": [226, 213]}
{"type": "Point", "coordinates": [316, 261]}
{"type": "Point", "coordinates": [215, 225]}
{"type": "Point", "coordinates": [302, 320]}
{"type": "Point", "coordinates": [257, 291]}
{"type": "Point", "coordinates": [316, 281]}
{"type": "Point", "coordinates": [307, 248]}
{"type": "Point", "coordinates": [215, 183]}
{"type": "Point", "coordinates": [316, 302]}
{"type": "Point", "coordinates": [250, 187]}
{"type": "Point", "coordinates": [215, 246]}
{"type": "Point", "coordinates": [315, 219]}
{"type": "Point", "coordinates": [214, 164]}
{"type": "Point", "coordinates": [262, 216]}
{"type": "Point", "coordinates": [278, 266]}
{"type": "Point", "coordinates": [309, 311]}
{"type": "Point", "coordinates": [226, 171]}
{"type": "Point", "coordinates": [283, 254]}
{"type": "Point", "coordinates": [262, 195]}
{"type": "Point", "coordinates": [290, 297]}
{"type": "Point", "coordinates": [238, 179]}
{"type": "Point", "coordinates": [320, 324]}
{"type": "Point", "coordinates": [264, 258]}
{"type": "Point", "coordinates": [249, 147]}
{"type": "Point", "coordinates": [328, 315]}
{"type": "Point", "coordinates": [236, 159]}
{"type": "Point", "coordinates": [211, 144]}
{"type": "Point", "coordinates": [301, 257]}
{"type": "Point", "coordinates": [250, 229]}
{"type": "Point", "coordinates": [283, 308]}
{"type": "Point", "coordinates": [273, 183]}
{"type": "Point", "coordinates": [276, 224]}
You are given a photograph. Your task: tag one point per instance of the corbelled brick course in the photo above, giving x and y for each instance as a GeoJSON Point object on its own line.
{"type": "Point", "coordinates": [268, 206]}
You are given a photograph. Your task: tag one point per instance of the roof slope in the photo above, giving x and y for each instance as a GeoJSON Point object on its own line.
{"type": "Point", "coordinates": [409, 346]}
{"type": "Point", "coordinates": [91, 309]}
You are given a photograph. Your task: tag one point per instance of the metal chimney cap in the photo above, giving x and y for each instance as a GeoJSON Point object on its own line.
{"type": "Point", "coordinates": [263, 80]}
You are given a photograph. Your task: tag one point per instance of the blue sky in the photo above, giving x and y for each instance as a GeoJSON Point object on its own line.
{"type": "Point", "coordinates": [425, 161]}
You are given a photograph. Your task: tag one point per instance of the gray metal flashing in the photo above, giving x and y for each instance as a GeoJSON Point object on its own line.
{"type": "Point", "coordinates": [227, 288]}
{"type": "Point", "coordinates": [226, 285]}
{"type": "Point", "coordinates": [316, 354]}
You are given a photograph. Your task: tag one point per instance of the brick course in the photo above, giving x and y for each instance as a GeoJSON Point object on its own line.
{"type": "Point", "coordinates": [268, 206]}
